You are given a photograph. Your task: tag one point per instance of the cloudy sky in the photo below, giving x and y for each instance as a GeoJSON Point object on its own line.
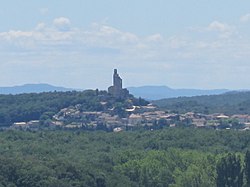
{"type": "Point", "coordinates": [77, 43]}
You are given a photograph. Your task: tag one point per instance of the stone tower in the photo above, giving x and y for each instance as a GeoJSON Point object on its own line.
{"type": "Point", "coordinates": [116, 89]}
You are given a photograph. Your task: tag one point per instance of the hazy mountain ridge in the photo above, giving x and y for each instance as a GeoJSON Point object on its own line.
{"type": "Point", "coordinates": [32, 88]}
{"type": "Point", "coordinates": [146, 92]}
{"type": "Point", "coordinates": [160, 92]}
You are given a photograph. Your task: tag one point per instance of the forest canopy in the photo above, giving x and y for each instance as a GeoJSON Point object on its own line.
{"type": "Point", "coordinates": [171, 157]}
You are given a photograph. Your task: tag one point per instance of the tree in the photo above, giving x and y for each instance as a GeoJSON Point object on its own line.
{"type": "Point", "coordinates": [162, 122]}
{"type": "Point", "coordinates": [229, 171]}
{"type": "Point", "coordinates": [100, 181]}
{"type": "Point", "coordinates": [247, 167]}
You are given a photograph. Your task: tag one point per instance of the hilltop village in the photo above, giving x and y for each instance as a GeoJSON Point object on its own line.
{"type": "Point", "coordinates": [133, 115]}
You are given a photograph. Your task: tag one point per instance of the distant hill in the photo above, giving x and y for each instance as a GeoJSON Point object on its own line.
{"type": "Point", "coordinates": [161, 92]}
{"type": "Point", "coordinates": [32, 88]}
{"type": "Point", "coordinates": [228, 103]}
{"type": "Point", "coordinates": [42, 106]}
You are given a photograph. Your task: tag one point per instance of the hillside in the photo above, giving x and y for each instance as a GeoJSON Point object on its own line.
{"type": "Point", "coordinates": [229, 103]}
{"type": "Point", "coordinates": [35, 106]}
{"type": "Point", "coordinates": [161, 92]}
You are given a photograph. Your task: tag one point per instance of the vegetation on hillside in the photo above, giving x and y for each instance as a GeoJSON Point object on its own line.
{"type": "Point", "coordinates": [34, 106]}
{"type": "Point", "coordinates": [230, 103]}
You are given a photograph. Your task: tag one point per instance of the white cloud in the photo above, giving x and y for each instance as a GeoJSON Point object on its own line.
{"type": "Point", "coordinates": [245, 18]}
{"type": "Point", "coordinates": [12, 34]}
{"type": "Point", "coordinates": [102, 39]}
{"type": "Point", "coordinates": [176, 42]}
{"type": "Point", "coordinates": [218, 26]}
{"type": "Point", "coordinates": [225, 30]}
{"type": "Point", "coordinates": [155, 38]}
{"type": "Point", "coordinates": [48, 38]}
{"type": "Point", "coordinates": [62, 23]}
{"type": "Point", "coordinates": [103, 46]}
{"type": "Point", "coordinates": [110, 35]}
{"type": "Point", "coordinates": [40, 26]}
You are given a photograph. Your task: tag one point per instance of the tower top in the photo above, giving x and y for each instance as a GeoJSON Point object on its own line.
{"type": "Point", "coordinates": [116, 89]}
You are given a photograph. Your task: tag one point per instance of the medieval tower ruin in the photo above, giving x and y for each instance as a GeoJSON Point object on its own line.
{"type": "Point", "coordinates": [116, 89]}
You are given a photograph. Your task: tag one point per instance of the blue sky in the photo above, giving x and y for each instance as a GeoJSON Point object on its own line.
{"type": "Point", "coordinates": [77, 43]}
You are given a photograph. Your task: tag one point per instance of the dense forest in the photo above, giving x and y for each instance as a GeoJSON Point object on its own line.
{"type": "Point", "coordinates": [167, 158]}
{"type": "Point", "coordinates": [35, 106]}
{"type": "Point", "coordinates": [170, 157]}
{"type": "Point", "coordinates": [229, 103]}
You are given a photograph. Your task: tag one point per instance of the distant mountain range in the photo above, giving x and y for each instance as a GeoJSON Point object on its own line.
{"type": "Point", "coordinates": [32, 88]}
{"type": "Point", "coordinates": [146, 92]}
{"type": "Point", "coordinates": [160, 92]}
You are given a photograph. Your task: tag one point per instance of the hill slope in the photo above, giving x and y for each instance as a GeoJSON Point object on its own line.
{"type": "Point", "coordinates": [34, 106]}
{"type": "Point", "coordinates": [229, 103]}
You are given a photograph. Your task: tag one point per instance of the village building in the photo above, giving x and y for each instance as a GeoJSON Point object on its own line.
{"type": "Point", "coordinates": [135, 119]}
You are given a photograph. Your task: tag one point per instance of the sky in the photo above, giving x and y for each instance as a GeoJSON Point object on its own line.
{"type": "Point", "coordinates": [202, 44]}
